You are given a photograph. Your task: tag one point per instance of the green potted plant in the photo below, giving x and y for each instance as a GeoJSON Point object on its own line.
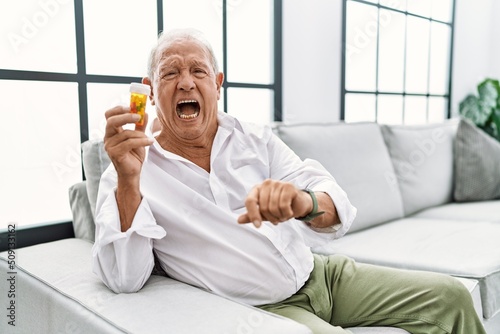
{"type": "Point", "coordinates": [484, 109]}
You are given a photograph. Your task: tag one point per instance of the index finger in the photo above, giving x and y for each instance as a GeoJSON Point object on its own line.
{"type": "Point", "coordinates": [253, 212]}
{"type": "Point", "coordinates": [120, 116]}
{"type": "Point", "coordinates": [118, 110]}
{"type": "Point", "coordinates": [142, 127]}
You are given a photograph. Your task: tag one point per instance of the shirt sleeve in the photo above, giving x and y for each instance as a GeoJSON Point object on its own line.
{"type": "Point", "coordinates": [123, 260]}
{"type": "Point", "coordinates": [309, 173]}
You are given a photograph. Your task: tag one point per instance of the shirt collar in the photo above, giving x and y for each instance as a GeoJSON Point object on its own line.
{"type": "Point", "coordinates": [226, 121]}
{"type": "Point", "coordinates": [226, 125]}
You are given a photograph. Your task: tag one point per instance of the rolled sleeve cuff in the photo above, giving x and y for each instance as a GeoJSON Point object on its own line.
{"type": "Point", "coordinates": [345, 210]}
{"type": "Point", "coordinates": [124, 260]}
{"type": "Point", "coordinates": [108, 221]}
{"type": "Point", "coordinates": [319, 236]}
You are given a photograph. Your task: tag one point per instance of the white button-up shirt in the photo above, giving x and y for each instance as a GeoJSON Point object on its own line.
{"type": "Point", "coordinates": [189, 218]}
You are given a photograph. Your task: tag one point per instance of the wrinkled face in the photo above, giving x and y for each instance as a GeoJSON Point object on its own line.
{"type": "Point", "coordinates": [185, 91]}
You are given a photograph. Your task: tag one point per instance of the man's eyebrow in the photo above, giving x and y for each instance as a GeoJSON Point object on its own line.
{"type": "Point", "coordinates": [168, 61]}
{"type": "Point", "coordinates": [198, 63]}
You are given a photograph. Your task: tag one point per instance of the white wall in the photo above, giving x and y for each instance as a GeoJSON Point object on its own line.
{"type": "Point", "coordinates": [495, 40]}
{"type": "Point", "coordinates": [312, 49]}
{"type": "Point", "coordinates": [476, 52]}
{"type": "Point", "coordinates": [312, 46]}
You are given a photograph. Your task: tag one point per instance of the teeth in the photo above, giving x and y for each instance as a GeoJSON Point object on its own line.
{"type": "Point", "coordinates": [189, 116]}
{"type": "Point", "coordinates": [188, 101]}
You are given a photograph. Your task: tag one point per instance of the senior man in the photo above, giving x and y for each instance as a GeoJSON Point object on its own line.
{"type": "Point", "coordinates": [228, 207]}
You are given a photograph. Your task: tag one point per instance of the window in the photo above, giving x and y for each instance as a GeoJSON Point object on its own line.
{"type": "Point", "coordinates": [40, 138]}
{"type": "Point", "coordinates": [397, 61]}
{"type": "Point", "coordinates": [63, 63]}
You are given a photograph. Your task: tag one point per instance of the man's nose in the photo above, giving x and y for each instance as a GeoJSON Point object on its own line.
{"type": "Point", "coordinates": [186, 81]}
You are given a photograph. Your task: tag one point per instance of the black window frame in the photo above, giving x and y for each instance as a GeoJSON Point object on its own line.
{"type": "Point", "coordinates": [376, 92]}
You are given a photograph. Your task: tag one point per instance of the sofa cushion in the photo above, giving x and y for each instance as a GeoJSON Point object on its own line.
{"type": "Point", "coordinates": [492, 325]}
{"type": "Point", "coordinates": [355, 154]}
{"type": "Point", "coordinates": [60, 294]}
{"type": "Point", "coordinates": [477, 164]}
{"type": "Point", "coordinates": [423, 161]}
{"type": "Point", "coordinates": [83, 221]}
{"type": "Point", "coordinates": [95, 162]}
{"type": "Point", "coordinates": [471, 211]}
{"type": "Point", "coordinates": [459, 248]}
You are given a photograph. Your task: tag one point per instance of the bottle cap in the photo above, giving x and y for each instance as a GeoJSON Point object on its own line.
{"type": "Point", "coordinates": [139, 88]}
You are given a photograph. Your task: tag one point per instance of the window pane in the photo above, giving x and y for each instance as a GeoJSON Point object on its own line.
{"type": "Point", "coordinates": [101, 97]}
{"type": "Point", "coordinates": [119, 44]}
{"type": "Point", "coordinates": [360, 108]}
{"type": "Point", "coordinates": [203, 15]}
{"type": "Point", "coordinates": [391, 51]}
{"type": "Point", "coordinates": [415, 110]}
{"type": "Point", "coordinates": [420, 7]}
{"type": "Point", "coordinates": [440, 58]}
{"type": "Point", "coordinates": [249, 41]}
{"type": "Point", "coordinates": [361, 46]}
{"type": "Point", "coordinates": [45, 159]}
{"type": "Point", "coordinates": [397, 4]}
{"type": "Point", "coordinates": [442, 9]}
{"type": "Point", "coordinates": [417, 55]}
{"type": "Point", "coordinates": [390, 109]}
{"type": "Point", "coordinates": [32, 30]}
{"type": "Point", "coordinates": [438, 109]}
{"type": "Point", "coordinates": [251, 105]}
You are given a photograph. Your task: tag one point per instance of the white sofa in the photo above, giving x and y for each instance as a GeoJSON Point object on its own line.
{"type": "Point", "coordinates": [405, 180]}
{"type": "Point", "coordinates": [402, 179]}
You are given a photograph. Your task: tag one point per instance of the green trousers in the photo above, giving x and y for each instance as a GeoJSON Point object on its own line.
{"type": "Point", "coordinates": [341, 293]}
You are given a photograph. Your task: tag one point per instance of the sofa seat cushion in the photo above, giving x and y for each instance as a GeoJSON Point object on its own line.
{"type": "Point", "coordinates": [471, 211]}
{"type": "Point", "coordinates": [58, 293]}
{"type": "Point", "coordinates": [459, 248]}
{"type": "Point", "coordinates": [423, 162]}
{"type": "Point", "coordinates": [356, 155]}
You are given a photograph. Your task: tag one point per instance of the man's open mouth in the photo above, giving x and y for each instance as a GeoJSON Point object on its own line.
{"type": "Point", "coordinates": [188, 109]}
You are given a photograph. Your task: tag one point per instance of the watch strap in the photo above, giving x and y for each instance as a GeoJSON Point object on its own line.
{"type": "Point", "coordinates": [314, 213]}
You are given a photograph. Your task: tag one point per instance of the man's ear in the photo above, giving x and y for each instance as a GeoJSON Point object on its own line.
{"type": "Point", "coordinates": [219, 79]}
{"type": "Point", "coordinates": [147, 81]}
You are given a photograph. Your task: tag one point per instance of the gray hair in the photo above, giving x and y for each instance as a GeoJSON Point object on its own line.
{"type": "Point", "coordinates": [176, 35]}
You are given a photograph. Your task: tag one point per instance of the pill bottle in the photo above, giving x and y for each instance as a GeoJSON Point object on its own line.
{"type": "Point", "coordinates": [138, 98]}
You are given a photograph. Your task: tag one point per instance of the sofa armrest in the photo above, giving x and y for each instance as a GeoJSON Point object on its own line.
{"type": "Point", "coordinates": [83, 222]}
